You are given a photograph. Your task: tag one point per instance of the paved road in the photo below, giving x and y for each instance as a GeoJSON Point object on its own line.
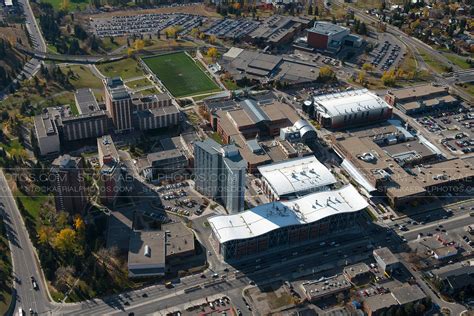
{"type": "Point", "coordinates": [25, 263]}
{"type": "Point", "coordinates": [36, 37]}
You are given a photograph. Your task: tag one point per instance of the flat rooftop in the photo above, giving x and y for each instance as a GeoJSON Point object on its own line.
{"type": "Point", "coordinates": [356, 269]}
{"type": "Point", "coordinates": [323, 288]}
{"type": "Point", "coordinates": [327, 28]}
{"type": "Point", "coordinates": [86, 101]}
{"type": "Point", "coordinates": [297, 175]}
{"type": "Point", "coordinates": [268, 217]}
{"type": "Point", "coordinates": [421, 91]}
{"type": "Point", "coordinates": [179, 238]}
{"type": "Point", "coordinates": [386, 255]}
{"type": "Point", "coordinates": [139, 240]}
{"type": "Point", "coordinates": [408, 293]}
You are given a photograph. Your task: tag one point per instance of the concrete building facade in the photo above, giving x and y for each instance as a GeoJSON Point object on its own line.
{"type": "Point", "coordinates": [67, 183]}
{"type": "Point", "coordinates": [220, 173]}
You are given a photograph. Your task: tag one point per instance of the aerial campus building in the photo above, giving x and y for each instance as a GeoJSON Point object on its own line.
{"type": "Point", "coordinates": [330, 37]}
{"type": "Point", "coordinates": [286, 224]}
{"type": "Point", "coordinates": [295, 177]}
{"type": "Point", "coordinates": [220, 173]}
{"type": "Point", "coordinates": [350, 108]}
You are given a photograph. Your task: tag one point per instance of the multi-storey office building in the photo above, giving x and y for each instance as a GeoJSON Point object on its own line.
{"type": "Point", "coordinates": [220, 173]}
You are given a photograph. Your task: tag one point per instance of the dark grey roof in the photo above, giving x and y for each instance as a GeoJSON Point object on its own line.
{"type": "Point", "coordinates": [254, 111]}
{"type": "Point", "coordinates": [85, 101]}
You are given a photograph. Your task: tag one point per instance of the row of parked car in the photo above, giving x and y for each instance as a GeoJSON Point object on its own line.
{"type": "Point", "coordinates": [146, 23]}
{"type": "Point", "coordinates": [230, 28]}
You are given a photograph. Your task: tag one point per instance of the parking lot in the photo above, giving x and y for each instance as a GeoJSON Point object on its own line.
{"type": "Point", "coordinates": [230, 28]}
{"type": "Point", "coordinates": [145, 24]}
{"type": "Point", "coordinates": [385, 55]}
{"type": "Point", "coordinates": [454, 126]}
{"type": "Point", "coordinates": [180, 198]}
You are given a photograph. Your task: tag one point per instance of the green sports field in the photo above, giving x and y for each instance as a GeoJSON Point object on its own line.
{"type": "Point", "coordinates": [180, 74]}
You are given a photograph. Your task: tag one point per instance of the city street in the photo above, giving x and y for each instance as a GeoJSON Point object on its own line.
{"type": "Point", "coordinates": [25, 263]}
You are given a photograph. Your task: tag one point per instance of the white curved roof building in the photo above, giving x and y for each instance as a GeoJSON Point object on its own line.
{"type": "Point", "coordinates": [273, 216]}
{"type": "Point", "coordinates": [295, 177]}
{"type": "Point", "coordinates": [355, 107]}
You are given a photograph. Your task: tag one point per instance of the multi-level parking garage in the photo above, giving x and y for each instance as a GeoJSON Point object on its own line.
{"type": "Point", "coordinates": [287, 224]}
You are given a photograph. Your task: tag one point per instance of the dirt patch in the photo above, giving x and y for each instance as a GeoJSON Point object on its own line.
{"type": "Point", "coordinates": [12, 33]}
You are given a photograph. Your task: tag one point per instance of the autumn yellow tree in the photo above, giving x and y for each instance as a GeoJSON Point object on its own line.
{"type": "Point", "coordinates": [64, 5]}
{"type": "Point", "coordinates": [212, 52]}
{"type": "Point", "coordinates": [389, 78]}
{"type": "Point", "coordinates": [194, 32]}
{"type": "Point", "coordinates": [367, 67]}
{"type": "Point", "coordinates": [326, 74]}
{"type": "Point", "coordinates": [139, 44]}
{"type": "Point", "coordinates": [170, 32]}
{"type": "Point", "coordinates": [361, 77]}
{"type": "Point", "coordinates": [202, 36]}
{"type": "Point", "coordinates": [66, 241]}
{"type": "Point", "coordinates": [46, 235]}
{"type": "Point", "coordinates": [212, 39]}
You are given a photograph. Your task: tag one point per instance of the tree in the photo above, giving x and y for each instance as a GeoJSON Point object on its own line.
{"type": "Point", "coordinates": [388, 78]}
{"type": "Point", "coordinates": [46, 235]}
{"type": "Point", "coordinates": [66, 241]}
{"type": "Point", "coordinates": [212, 39]}
{"type": "Point", "coordinates": [326, 74]}
{"type": "Point", "coordinates": [361, 77]}
{"type": "Point", "coordinates": [194, 32]}
{"type": "Point", "coordinates": [212, 52]}
{"type": "Point", "coordinates": [170, 32]}
{"type": "Point", "coordinates": [139, 45]}
{"type": "Point", "coordinates": [367, 67]}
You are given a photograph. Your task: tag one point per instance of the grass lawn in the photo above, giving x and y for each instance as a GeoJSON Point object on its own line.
{"type": "Point", "coordinates": [83, 77]}
{"type": "Point", "coordinates": [5, 265]}
{"type": "Point", "coordinates": [181, 75]}
{"type": "Point", "coordinates": [432, 62]}
{"type": "Point", "coordinates": [460, 61]}
{"type": "Point", "coordinates": [215, 136]}
{"type": "Point", "coordinates": [468, 87]}
{"type": "Point", "coordinates": [73, 5]}
{"type": "Point", "coordinates": [135, 84]}
{"type": "Point", "coordinates": [125, 68]}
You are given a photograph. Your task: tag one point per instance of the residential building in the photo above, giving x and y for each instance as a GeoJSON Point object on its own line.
{"type": "Point", "coordinates": [67, 182]}
{"type": "Point", "coordinates": [286, 224]}
{"type": "Point", "coordinates": [119, 104]}
{"type": "Point", "coordinates": [455, 276]}
{"type": "Point", "coordinates": [220, 173]}
{"type": "Point", "coordinates": [110, 172]}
